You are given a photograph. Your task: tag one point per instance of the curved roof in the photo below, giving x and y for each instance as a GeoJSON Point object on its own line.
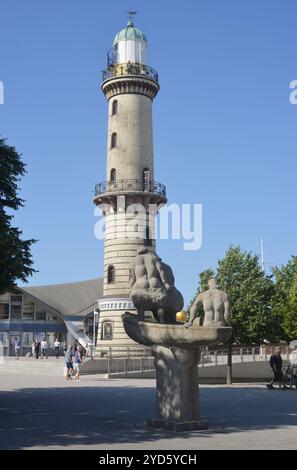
{"type": "Point", "coordinates": [130, 32]}
{"type": "Point", "coordinates": [73, 298]}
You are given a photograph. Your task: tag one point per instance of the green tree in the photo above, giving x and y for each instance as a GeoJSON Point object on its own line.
{"type": "Point", "coordinates": [284, 305]}
{"type": "Point", "coordinates": [290, 320]}
{"type": "Point", "coordinates": [15, 257]}
{"type": "Point", "coordinates": [251, 291]}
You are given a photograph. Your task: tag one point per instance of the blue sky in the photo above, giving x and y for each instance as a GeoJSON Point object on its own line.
{"type": "Point", "coordinates": [224, 129]}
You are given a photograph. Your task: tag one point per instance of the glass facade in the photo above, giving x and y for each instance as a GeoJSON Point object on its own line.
{"type": "Point", "coordinates": [28, 311]}
{"type": "Point", "coordinates": [16, 307]}
{"type": "Point", "coordinates": [24, 318]}
{"type": "Point", "coordinates": [40, 312]}
{"type": "Point", "coordinates": [4, 311]}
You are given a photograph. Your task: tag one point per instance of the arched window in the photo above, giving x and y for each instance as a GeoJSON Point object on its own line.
{"type": "Point", "coordinates": [113, 175]}
{"type": "Point", "coordinates": [114, 107]}
{"type": "Point", "coordinates": [107, 330]}
{"type": "Point", "coordinates": [146, 179]}
{"type": "Point", "coordinates": [114, 139]}
{"type": "Point", "coordinates": [110, 274]}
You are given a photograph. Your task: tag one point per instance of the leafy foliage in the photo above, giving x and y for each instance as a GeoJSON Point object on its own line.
{"type": "Point", "coordinates": [284, 302]}
{"type": "Point", "coordinates": [15, 257]}
{"type": "Point", "coordinates": [251, 291]}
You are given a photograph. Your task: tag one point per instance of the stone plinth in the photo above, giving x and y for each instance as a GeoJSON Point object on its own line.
{"type": "Point", "coordinates": [177, 389]}
{"type": "Point", "coordinates": [176, 352]}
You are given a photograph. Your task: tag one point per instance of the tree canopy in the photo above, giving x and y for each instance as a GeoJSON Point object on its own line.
{"type": "Point", "coordinates": [284, 302]}
{"type": "Point", "coordinates": [15, 257]}
{"type": "Point", "coordinates": [239, 274]}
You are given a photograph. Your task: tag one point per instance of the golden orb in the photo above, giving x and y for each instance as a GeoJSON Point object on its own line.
{"type": "Point", "coordinates": [181, 316]}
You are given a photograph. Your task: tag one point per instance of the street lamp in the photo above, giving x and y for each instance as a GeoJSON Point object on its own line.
{"type": "Point", "coordinates": [96, 312]}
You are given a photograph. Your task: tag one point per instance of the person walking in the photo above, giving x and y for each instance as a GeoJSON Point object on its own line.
{"type": "Point", "coordinates": [17, 347]}
{"type": "Point", "coordinates": [33, 349]}
{"type": "Point", "coordinates": [37, 349]}
{"type": "Point", "coordinates": [293, 356]}
{"type": "Point", "coordinates": [57, 345]}
{"type": "Point", "coordinates": [78, 360]}
{"type": "Point", "coordinates": [90, 348]}
{"type": "Point", "coordinates": [276, 364]}
{"type": "Point", "coordinates": [44, 347]}
{"type": "Point", "coordinates": [69, 365]}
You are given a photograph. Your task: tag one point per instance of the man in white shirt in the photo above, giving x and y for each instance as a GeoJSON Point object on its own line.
{"type": "Point", "coordinates": [57, 345]}
{"type": "Point", "coordinates": [44, 347]}
{"type": "Point", "coordinates": [293, 357]}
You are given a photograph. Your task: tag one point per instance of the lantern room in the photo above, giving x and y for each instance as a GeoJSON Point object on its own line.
{"type": "Point", "coordinates": [129, 46]}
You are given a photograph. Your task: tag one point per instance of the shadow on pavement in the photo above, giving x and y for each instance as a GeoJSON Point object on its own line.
{"type": "Point", "coordinates": [80, 416]}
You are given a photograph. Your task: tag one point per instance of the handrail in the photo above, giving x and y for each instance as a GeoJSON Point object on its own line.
{"type": "Point", "coordinates": [130, 185]}
{"type": "Point", "coordinates": [125, 69]}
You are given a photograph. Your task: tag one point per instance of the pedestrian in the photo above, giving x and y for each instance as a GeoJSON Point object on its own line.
{"type": "Point", "coordinates": [37, 349]}
{"type": "Point", "coordinates": [68, 360]}
{"type": "Point", "coordinates": [78, 360]}
{"type": "Point", "coordinates": [293, 356]}
{"type": "Point", "coordinates": [276, 364]}
{"type": "Point", "coordinates": [89, 348]}
{"type": "Point", "coordinates": [33, 349]}
{"type": "Point", "coordinates": [44, 347]}
{"type": "Point", "coordinates": [17, 347]}
{"type": "Point", "coordinates": [57, 345]}
{"type": "Point", "coordinates": [64, 348]}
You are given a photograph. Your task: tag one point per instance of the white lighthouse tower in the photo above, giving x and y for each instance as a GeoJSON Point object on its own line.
{"type": "Point", "coordinates": [129, 191]}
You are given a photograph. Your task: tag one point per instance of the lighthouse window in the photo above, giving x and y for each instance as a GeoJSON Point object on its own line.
{"type": "Point", "coordinates": [114, 139]}
{"type": "Point", "coordinates": [147, 240]}
{"type": "Point", "coordinates": [114, 108]}
{"type": "Point", "coordinates": [113, 175]}
{"type": "Point", "coordinates": [146, 179]}
{"type": "Point", "coordinates": [110, 274]}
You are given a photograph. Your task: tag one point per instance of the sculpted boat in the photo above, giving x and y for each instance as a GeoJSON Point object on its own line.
{"type": "Point", "coordinates": [149, 333]}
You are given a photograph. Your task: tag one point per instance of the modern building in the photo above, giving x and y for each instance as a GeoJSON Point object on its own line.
{"type": "Point", "coordinates": [63, 311]}
{"type": "Point", "coordinates": [130, 190]}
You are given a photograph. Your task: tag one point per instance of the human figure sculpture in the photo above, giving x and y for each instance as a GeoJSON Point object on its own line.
{"type": "Point", "coordinates": [152, 287]}
{"type": "Point", "coordinates": [215, 304]}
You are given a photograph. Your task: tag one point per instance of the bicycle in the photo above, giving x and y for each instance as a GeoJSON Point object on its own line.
{"type": "Point", "coordinates": [290, 376]}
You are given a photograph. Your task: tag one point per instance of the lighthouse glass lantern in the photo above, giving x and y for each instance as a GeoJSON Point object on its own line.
{"type": "Point", "coordinates": [129, 46]}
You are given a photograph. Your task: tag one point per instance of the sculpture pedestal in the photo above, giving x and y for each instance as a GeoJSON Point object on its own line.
{"type": "Point", "coordinates": [176, 351]}
{"type": "Point", "coordinates": [177, 389]}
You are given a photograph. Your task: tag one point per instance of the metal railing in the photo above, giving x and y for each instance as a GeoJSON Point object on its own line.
{"type": "Point", "coordinates": [245, 354]}
{"type": "Point", "coordinates": [130, 185]}
{"type": "Point", "coordinates": [123, 351]}
{"type": "Point", "coordinates": [118, 70]}
{"type": "Point", "coordinates": [125, 365]}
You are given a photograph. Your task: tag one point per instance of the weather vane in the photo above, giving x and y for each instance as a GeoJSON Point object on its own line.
{"type": "Point", "coordinates": [131, 15]}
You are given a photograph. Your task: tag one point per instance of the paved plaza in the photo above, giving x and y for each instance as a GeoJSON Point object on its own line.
{"type": "Point", "coordinates": [44, 411]}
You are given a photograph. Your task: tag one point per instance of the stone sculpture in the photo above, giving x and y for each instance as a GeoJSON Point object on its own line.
{"type": "Point", "coordinates": [215, 304]}
{"type": "Point", "coordinates": [176, 349]}
{"type": "Point", "coordinates": [152, 287]}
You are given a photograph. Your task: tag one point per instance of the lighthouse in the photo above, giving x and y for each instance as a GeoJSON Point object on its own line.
{"type": "Point", "coordinates": [130, 196]}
